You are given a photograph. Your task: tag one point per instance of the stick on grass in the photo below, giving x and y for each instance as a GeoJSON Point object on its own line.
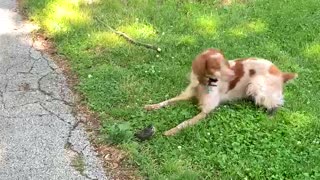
{"type": "Point", "coordinates": [129, 39]}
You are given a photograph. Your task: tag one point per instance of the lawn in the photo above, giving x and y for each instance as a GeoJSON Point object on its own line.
{"type": "Point", "coordinates": [238, 140]}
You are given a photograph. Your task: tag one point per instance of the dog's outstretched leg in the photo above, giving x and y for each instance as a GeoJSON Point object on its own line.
{"type": "Point", "coordinates": [185, 124]}
{"type": "Point", "coordinates": [208, 101]}
{"type": "Point", "coordinates": [185, 95]}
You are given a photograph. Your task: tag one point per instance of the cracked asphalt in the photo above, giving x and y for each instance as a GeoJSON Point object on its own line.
{"type": "Point", "coordinates": [39, 133]}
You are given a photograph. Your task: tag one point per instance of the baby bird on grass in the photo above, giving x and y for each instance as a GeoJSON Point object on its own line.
{"type": "Point", "coordinates": [146, 133]}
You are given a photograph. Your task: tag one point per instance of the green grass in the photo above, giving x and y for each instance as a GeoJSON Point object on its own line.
{"type": "Point", "coordinates": [237, 141]}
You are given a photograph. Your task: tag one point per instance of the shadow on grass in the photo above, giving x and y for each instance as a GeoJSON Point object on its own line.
{"type": "Point", "coordinates": [235, 141]}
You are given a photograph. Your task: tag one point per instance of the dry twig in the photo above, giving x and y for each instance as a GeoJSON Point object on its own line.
{"type": "Point", "coordinates": [129, 39]}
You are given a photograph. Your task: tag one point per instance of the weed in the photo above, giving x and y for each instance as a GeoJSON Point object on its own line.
{"type": "Point", "coordinates": [118, 133]}
{"type": "Point", "coordinates": [78, 163]}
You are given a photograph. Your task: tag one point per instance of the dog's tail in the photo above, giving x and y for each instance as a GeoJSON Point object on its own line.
{"type": "Point", "coordinates": [288, 76]}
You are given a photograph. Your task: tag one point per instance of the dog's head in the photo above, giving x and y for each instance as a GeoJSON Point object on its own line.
{"type": "Point", "coordinates": [212, 64]}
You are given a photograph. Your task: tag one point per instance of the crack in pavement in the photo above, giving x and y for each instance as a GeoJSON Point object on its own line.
{"type": "Point", "coordinates": [2, 101]}
{"type": "Point", "coordinates": [51, 113]}
{"type": "Point", "coordinates": [80, 144]}
{"type": "Point", "coordinates": [50, 93]}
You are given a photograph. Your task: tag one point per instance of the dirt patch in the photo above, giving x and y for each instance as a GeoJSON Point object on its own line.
{"type": "Point", "coordinates": [115, 162]}
{"type": "Point", "coordinates": [24, 87]}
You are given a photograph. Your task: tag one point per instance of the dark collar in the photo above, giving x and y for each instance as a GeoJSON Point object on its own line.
{"type": "Point", "coordinates": [212, 82]}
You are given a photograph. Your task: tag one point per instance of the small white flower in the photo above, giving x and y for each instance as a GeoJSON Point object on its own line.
{"type": "Point", "coordinates": [172, 57]}
{"type": "Point", "coordinates": [179, 147]}
{"type": "Point", "coordinates": [163, 33]}
{"type": "Point", "coordinates": [90, 76]}
{"type": "Point", "coordinates": [159, 49]}
{"type": "Point", "coordinates": [157, 55]}
{"type": "Point", "coordinates": [208, 134]}
{"type": "Point", "coordinates": [298, 142]}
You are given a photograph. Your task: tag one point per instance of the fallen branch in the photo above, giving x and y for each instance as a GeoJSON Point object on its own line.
{"type": "Point", "coordinates": [129, 39]}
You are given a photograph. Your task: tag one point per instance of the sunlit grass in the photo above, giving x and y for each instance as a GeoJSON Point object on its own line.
{"type": "Point", "coordinates": [300, 119]}
{"type": "Point", "coordinates": [107, 40]}
{"type": "Point", "coordinates": [79, 2]}
{"type": "Point", "coordinates": [60, 16]}
{"type": "Point", "coordinates": [243, 30]}
{"type": "Point", "coordinates": [238, 140]}
{"type": "Point", "coordinates": [138, 30]}
{"type": "Point", "coordinates": [206, 25]}
{"type": "Point", "coordinates": [313, 51]}
{"type": "Point", "coordinates": [186, 40]}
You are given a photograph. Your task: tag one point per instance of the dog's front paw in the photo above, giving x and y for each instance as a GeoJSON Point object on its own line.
{"type": "Point", "coordinates": [152, 107]}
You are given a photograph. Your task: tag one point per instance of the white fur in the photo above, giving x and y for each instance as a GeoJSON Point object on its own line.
{"type": "Point", "coordinates": [264, 87]}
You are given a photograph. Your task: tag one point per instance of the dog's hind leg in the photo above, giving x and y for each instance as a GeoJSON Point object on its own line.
{"type": "Point", "coordinates": [266, 94]}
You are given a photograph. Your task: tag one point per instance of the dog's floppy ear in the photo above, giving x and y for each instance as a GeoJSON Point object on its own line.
{"type": "Point", "coordinates": [199, 68]}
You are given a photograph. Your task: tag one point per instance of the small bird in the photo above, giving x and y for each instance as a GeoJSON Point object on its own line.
{"type": "Point", "coordinates": [146, 133]}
